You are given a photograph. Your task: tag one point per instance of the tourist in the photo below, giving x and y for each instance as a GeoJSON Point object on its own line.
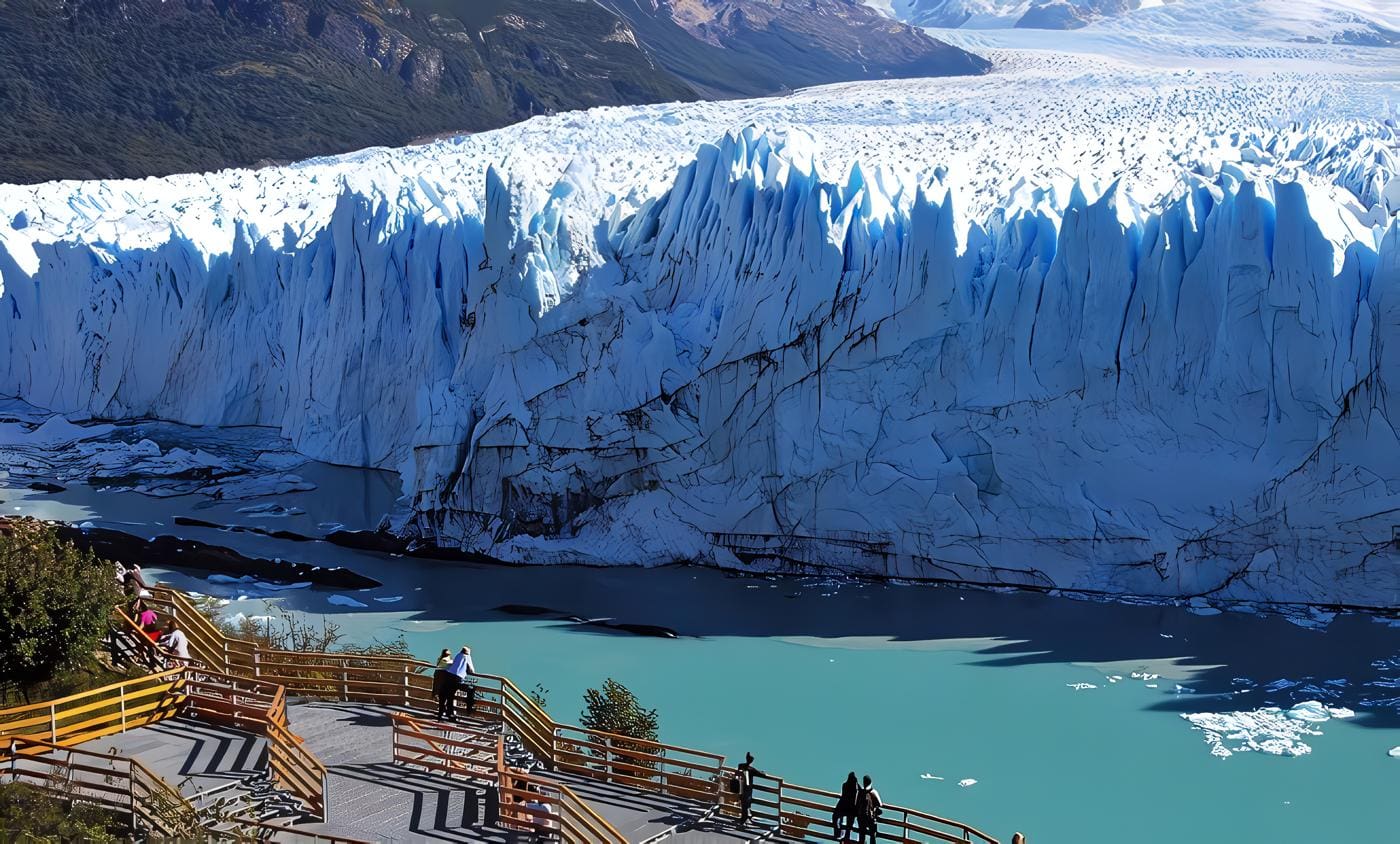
{"type": "Point", "coordinates": [868, 810]}
{"type": "Point", "coordinates": [440, 683]}
{"type": "Point", "coordinates": [541, 813]}
{"type": "Point", "coordinates": [846, 808]}
{"type": "Point", "coordinates": [144, 616]}
{"type": "Point", "coordinates": [745, 774]}
{"type": "Point", "coordinates": [174, 641]}
{"type": "Point", "coordinates": [135, 582]}
{"type": "Point", "coordinates": [460, 669]}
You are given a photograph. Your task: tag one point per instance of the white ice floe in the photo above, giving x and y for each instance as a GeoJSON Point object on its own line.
{"type": "Point", "coordinates": [933, 777]}
{"type": "Point", "coordinates": [392, 599]}
{"type": "Point", "coordinates": [1270, 730]}
{"type": "Point", "coordinates": [1394, 753]}
{"type": "Point", "coordinates": [1079, 687]}
{"type": "Point", "coordinates": [345, 601]}
{"type": "Point", "coordinates": [967, 782]}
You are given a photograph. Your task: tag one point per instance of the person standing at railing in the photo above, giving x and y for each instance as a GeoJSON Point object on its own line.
{"type": "Point", "coordinates": [175, 641]}
{"type": "Point", "coordinates": [846, 808]}
{"type": "Point", "coordinates": [868, 810]}
{"type": "Point", "coordinates": [459, 670]}
{"type": "Point", "coordinates": [440, 682]}
{"type": "Point", "coordinates": [743, 777]}
{"type": "Point", "coordinates": [145, 618]}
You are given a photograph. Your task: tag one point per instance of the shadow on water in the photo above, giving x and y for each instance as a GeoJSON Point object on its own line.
{"type": "Point", "coordinates": [1227, 661]}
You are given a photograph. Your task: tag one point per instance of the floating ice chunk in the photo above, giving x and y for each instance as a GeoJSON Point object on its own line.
{"type": "Point", "coordinates": [392, 599]}
{"type": "Point", "coordinates": [228, 578]}
{"type": "Point", "coordinates": [1394, 753]}
{"type": "Point", "coordinates": [967, 782]}
{"type": "Point", "coordinates": [933, 777]}
{"type": "Point", "coordinates": [1079, 687]}
{"type": "Point", "coordinates": [1309, 710]}
{"type": "Point", "coordinates": [270, 509]}
{"type": "Point", "coordinates": [1269, 730]}
{"type": "Point", "coordinates": [346, 601]}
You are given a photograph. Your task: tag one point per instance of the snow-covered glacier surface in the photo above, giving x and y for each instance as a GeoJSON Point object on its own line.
{"type": "Point", "coordinates": [1064, 326]}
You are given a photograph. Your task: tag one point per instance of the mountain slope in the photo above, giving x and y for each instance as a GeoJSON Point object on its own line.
{"type": "Point", "coordinates": [727, 48]}
{"type": "Point", "coordinates": [125, 88]}
{"type": "Point", "coordinates": [107, 88]}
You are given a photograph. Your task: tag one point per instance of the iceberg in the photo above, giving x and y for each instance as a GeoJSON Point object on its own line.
{"type": "Point", "coordinates": [764, 365]}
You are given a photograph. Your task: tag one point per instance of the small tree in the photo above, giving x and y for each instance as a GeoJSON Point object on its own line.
{"type": "Point", "coordinates": [55, 603]}
{"type": "Point", "coordinates": [615, 709]}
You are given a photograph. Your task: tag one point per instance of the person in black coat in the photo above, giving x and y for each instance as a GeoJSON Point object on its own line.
{"type": "Point", "coordinates": [846, 808]}
{"type": "Point", "coordinates": [440, 682]}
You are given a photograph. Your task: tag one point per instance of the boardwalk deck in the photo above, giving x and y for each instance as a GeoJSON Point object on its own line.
{"type": "Point", "coordinates": [194, 756]}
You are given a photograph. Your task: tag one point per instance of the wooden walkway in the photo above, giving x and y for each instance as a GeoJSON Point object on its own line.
{"type": "Point", "coordinates": [342, 745]}
{"type": "Point", "coordinates": [369, 797]}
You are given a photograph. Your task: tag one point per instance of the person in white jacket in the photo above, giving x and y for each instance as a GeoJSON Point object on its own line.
{"type": "Point", "coordinates": [175, 641]}
{"type": "Point", "coordinates": [458, 671]}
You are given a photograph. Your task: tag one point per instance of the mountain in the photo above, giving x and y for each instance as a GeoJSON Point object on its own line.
{"type": "Point", "coordinates": [104, 88]}
{"type": "Point", "coordinates": [126, 88]}
{"type": "Point", "coordinates": [727, 48]}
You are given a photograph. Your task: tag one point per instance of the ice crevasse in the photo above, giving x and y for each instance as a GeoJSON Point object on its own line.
{"type": "Point", "coordinates": [763, 366]}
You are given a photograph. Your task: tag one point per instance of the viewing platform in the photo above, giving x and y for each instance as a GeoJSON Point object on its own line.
{"type": "Point", "coordinates": [251, 743]}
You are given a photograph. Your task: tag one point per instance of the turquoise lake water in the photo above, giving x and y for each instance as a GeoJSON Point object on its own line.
{"type": "Point", "coordinates": [906, 683]}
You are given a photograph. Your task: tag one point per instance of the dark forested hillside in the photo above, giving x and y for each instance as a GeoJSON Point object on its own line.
{"type": "Point", "coordinates": [102, 88]}
{"type": "Point", "coordinates": [127, 88]}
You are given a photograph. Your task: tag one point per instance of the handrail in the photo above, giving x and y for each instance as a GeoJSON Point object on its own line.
{"type": "Point", "coordinates": [129, 788]}
{"type": "Point", "coordinates": [460, 751]}
{"type": "Point", "coordinates": [99, 712]}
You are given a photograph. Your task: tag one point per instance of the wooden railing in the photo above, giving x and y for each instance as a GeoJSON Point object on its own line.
{"type": "Point", "coordinates": [679, 772]}
{"type": "Point", "coordinates": [116, 783]}
{"type": "Point", "coordinates": [644, 765]}
{"type": "Point", "coordinates": [260, 707]}
{"type": "Point", "coordinates": [543, 808]}
{"type": "Point", "coordinates": [804, 814]}
{"type": "Point", "coordinates": [449, 749]}
{"type": "Point", "coordinates": [99, 712]}
{"type": "Point", "coordinates": [550, 810]}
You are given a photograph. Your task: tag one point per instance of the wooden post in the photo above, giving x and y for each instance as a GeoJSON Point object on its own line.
{"type": "Point", "coordinates": [121, 699]}
{"type": "Point", "coordinates": [53, 725]}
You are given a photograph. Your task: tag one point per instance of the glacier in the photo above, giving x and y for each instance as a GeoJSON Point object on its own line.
{"type": "Point", "coordinates": [1179, 382]}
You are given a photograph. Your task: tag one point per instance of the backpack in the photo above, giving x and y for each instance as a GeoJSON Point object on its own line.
{"type": "Point", "coordinates": [868, 803]}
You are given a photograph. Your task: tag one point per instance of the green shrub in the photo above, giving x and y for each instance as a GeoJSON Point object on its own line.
{"type": "Point", "coordinates": [614, 709]}
{"type": "Point", "coordinates": [55, 603]}
{"type": "Point", "coordinates": [29, 814]}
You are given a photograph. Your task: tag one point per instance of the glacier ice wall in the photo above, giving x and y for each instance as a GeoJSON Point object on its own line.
{"type": "Point", "coordinates": [760, 366]}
